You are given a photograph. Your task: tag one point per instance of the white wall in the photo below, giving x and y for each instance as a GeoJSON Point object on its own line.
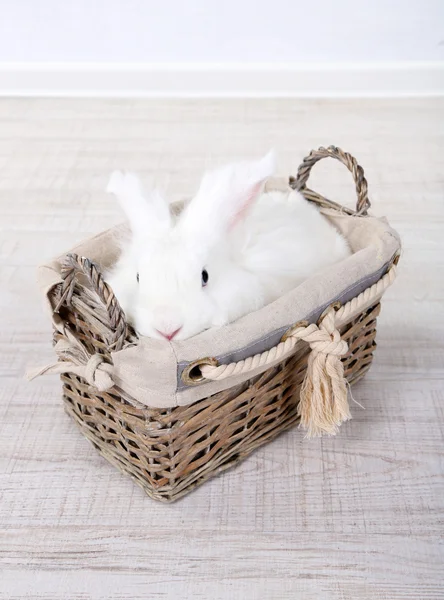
{"type": "Point", "coordinates": [227, 31]}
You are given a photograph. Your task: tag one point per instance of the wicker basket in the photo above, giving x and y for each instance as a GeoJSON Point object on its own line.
{"type": "Point", "coordinates": [169, 451]}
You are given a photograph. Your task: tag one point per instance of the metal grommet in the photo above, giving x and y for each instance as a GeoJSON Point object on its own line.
{"type": "Point", "coordinates": [192, 374]}
{"type": "Point", "coordinates": [293, 328]}
{"type": "Point", "coordinates": [395, 259]}
{"type": "Point", "coordinates": [335, 305]}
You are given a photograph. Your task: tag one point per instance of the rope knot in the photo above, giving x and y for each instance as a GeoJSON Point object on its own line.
{"type": "Point", "coordinates": [95, 376]}
{"type": "Point", "coordinates": [323, 404]}
{"type": "Point", "coordinates": [322, 342]}
{"type": "Point", "coordinates": [73, 358]}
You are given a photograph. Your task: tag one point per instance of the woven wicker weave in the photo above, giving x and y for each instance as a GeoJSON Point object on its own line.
{"type": "Point", "coordinates": [170, 451]}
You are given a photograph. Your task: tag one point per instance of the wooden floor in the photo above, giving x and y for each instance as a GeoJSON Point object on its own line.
{"type": "Point", "coordinates": [357, 517]}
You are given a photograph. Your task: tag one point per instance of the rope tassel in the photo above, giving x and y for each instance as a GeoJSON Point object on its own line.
{"type": "Point", "coordinates": [73, 358]}
{"type": "Point", "coordinates": [323, 402]}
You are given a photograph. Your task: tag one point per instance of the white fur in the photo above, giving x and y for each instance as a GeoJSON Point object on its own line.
{"type": "Point", "coordinates": [255, 246]}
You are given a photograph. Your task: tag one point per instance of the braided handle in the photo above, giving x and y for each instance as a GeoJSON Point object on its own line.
{"type": "Point", "coordinates": [75, 265]}
{"type": "Point", "coordinates": [299, 182]}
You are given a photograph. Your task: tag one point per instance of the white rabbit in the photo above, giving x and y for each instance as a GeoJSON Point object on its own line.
{"type": "Point", "coordinates": [233, 249]}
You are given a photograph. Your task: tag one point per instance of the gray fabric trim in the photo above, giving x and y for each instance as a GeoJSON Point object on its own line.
{"type": "Point", "coordinates": [274, 337]}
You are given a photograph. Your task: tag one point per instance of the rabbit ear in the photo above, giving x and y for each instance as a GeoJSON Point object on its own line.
{"type": "Point", "coordinates": [224, 197]}
{"type": "Point", "coordinates": [145, 215]}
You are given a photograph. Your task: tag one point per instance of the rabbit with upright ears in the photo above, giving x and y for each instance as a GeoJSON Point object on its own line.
{"type": "Point", "coordinates": [233, 249]}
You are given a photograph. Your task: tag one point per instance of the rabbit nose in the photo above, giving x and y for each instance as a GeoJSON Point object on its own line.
{"type": "Point", "coordinates": [169, 335]}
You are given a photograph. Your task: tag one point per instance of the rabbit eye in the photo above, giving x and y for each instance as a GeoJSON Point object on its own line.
{"type": "Point", "coordinates": [137, 277]}
{"type": "Point", "coordinates": [204, 277]}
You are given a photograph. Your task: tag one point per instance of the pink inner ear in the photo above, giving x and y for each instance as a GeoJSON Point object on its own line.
{"type": "Point", "coordinates": [248, 201]}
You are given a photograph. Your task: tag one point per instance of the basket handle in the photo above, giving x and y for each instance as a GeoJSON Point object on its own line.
{"type": "Point", "coordinates": [75, 265]}
{"type": "Point", "coordinates": [300, 181]}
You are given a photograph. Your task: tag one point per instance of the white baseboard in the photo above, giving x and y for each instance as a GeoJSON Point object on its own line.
{"type": "Point", "coordinates": [222, 80]}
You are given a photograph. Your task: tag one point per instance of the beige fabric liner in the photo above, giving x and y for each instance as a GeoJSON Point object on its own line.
{"type": "Point", "coordinates": [148, 371]}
